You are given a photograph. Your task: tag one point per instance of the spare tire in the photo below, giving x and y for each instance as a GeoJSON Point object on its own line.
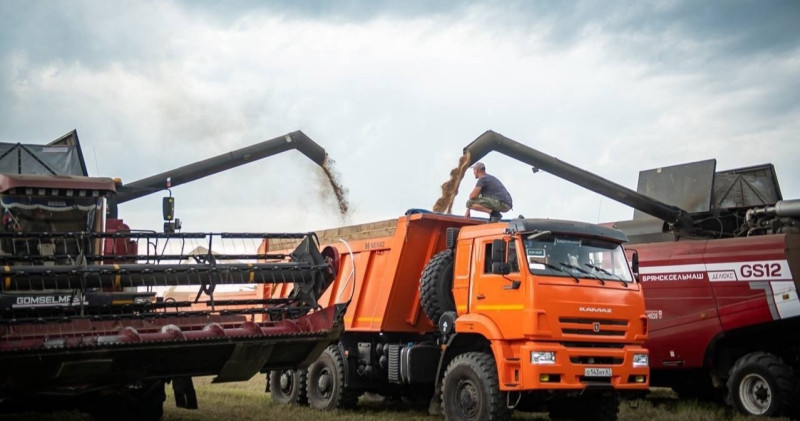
{"type": "Point", "coordinates": [436, 286]}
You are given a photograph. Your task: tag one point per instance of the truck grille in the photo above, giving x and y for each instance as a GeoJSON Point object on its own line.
{"type": "Point", "coordinates": [593, 327]}
{"type": "Point", "coordinates": [595, 360]}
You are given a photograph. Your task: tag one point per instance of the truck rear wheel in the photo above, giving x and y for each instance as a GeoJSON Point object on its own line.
{"type": "Point", "coordinates": [471, 389]}
{"type": "Point", "coordinates": [288, 387]}
{"type": "Point", "coordinates": [761, 384]}
{"type": "Point", "coordinates": [326, 388]}
{"type": "Point", "coordinates": [436, 286]}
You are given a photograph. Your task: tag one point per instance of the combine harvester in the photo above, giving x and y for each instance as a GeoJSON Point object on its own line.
{"type": "Point", "coordinates": [719, 256]}
{"type": "Point", "coordinates": [79, 326]}
{"type": "Point", "coordinates": [528, 314]}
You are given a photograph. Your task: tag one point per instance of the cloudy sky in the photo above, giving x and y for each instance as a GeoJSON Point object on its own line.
{"type": "Point", "coordinates": [394, 90]}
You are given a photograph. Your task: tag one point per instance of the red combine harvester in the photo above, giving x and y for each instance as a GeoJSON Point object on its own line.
{"type": "Point", "coordinates": [81, 325]}
{"type": "Point", "coordinates": [719, 262]}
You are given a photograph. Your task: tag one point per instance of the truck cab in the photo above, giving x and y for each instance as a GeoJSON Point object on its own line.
{"type": "Point", "coordinates": [557, 307]}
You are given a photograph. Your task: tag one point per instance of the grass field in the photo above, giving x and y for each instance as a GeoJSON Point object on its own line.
{"type": "Point", "coordinates": [247, 401]}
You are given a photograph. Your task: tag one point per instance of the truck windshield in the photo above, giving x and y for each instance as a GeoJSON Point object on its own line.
{"type": "Point", "coordinates": [576, 257]}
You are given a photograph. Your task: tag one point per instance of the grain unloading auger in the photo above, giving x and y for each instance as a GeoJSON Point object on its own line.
{"type": "Point", "coordinates": [223, 162]}
{"type": "Point", "coordinates": [755, 209]}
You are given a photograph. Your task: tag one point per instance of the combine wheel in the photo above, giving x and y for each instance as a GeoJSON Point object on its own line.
{"type": "Point", "coordinates": [761, 384]}
{"type": "Point", "coordinates": [288, 387]}
{"type": "Point", "coordinates": [326, 388]}
{"type": "Point", "coordinates": [436, 286]}
{"type": "Point", "coordinates": [470, 390]}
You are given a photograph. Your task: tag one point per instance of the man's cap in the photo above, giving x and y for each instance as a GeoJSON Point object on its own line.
{"type": "Point", "coordinates": [478, 166]}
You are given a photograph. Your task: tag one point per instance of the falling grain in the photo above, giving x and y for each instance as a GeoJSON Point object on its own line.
{"type": "Point", "coordinates": [450, 187]}
{"type": "Point", "coordinates": [331, 177]}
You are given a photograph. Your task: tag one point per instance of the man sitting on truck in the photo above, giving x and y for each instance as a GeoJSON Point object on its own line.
{"type": "Point", "coordinates": [489, 194]}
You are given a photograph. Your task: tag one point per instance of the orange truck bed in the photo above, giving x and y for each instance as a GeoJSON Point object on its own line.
{"type": "Point", "coordinates": [394, 251]}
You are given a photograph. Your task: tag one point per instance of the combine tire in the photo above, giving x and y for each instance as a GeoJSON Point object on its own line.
{"type": "Point", "coordinates": [288, 387]}
{"type": "Point", "coordinates": [470, 390]}
{"type": "Point", "coordinates": [761, 384]}
{"type": "Point", "coordinates": [436, 286]}
{"type": "Point", "coordinates": [326, 382]}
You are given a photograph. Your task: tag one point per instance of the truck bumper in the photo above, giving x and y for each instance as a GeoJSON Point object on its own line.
{"type": "Point", "coordinates": [575, 368]}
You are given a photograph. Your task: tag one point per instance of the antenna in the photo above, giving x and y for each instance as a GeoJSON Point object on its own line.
{"type": "Point", "coordinates": [96, 167]}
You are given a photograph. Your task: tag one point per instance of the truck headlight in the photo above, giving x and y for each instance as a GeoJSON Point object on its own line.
{"type": "Point", "coordinates": [640, 360]}
{"type": "Point", "coordinates": [543, 357]}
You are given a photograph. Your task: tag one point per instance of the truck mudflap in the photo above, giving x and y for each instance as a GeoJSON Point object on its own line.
{"type": "Point", "coordinates": [113, 329]}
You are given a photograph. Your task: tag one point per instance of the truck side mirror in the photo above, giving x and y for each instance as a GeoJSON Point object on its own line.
{"type": "Point", "coordinates": [168, 208]}
{"type": "Point", "coordinates": [498, 251]}
{"type": "Point", "coordinates": [635, 263]}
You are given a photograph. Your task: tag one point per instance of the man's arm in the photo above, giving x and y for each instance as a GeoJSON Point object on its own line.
{"type": "Point", "coordinates": [475, 192]}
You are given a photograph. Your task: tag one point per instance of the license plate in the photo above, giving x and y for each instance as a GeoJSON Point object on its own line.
{"type": "Point", "coordinates": [597, 372]}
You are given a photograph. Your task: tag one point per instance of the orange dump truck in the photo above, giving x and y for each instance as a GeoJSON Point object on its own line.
{"type": "Point", "coordinates": [526, 314]}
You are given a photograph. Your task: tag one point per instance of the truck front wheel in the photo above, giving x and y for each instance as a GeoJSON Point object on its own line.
{"type": "Point", "coordinates": [761, 384]}
{"type": "Point", "coordinates": [326, 389]}
{"type": "Point", "coordinates": [470, 390]}
{"type": "Point", "coordinates": [288, 386]}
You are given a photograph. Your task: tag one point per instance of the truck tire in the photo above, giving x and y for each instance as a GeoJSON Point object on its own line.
{"type": "Point", "coordinates": [761, 384]}
{"type": "Point", "coordinates": [288, 387]}
{"type": "Point", "coordinates": [471, 389]}
{"type": "Point", "coordinates": [436, 286]}
{"type": "Point", "coordinates": [326, 389]}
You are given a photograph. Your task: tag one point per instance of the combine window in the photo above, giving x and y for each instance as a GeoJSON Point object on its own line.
{"type": "Point", "coordinates": [35, 215]}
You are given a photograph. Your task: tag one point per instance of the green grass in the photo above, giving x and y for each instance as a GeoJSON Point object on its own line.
{"type": "Point", "coordinates": [247, 401]}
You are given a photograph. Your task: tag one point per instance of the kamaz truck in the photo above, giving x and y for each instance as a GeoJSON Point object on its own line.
{"type": "Point", "coordinates": [479, 319]}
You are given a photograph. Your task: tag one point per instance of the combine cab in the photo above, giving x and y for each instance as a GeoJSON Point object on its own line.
{"type": "Point", "coordinates": [82, 325]}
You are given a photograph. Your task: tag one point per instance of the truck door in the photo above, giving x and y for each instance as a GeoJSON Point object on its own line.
{"type": "Point", "coordinates": [498, 296]}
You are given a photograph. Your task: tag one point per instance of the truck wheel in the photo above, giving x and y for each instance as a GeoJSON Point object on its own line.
{"type": "Point", "coordinates": [761, 384]}
{"type": "Point", "coordinates": [436, 286]}
{"type": "Point", "coordinates": [326, 382]}
{"type": "Point", "coordinates": [471, 389]}
{"type": "Point", "coordinates": [288, 387]}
